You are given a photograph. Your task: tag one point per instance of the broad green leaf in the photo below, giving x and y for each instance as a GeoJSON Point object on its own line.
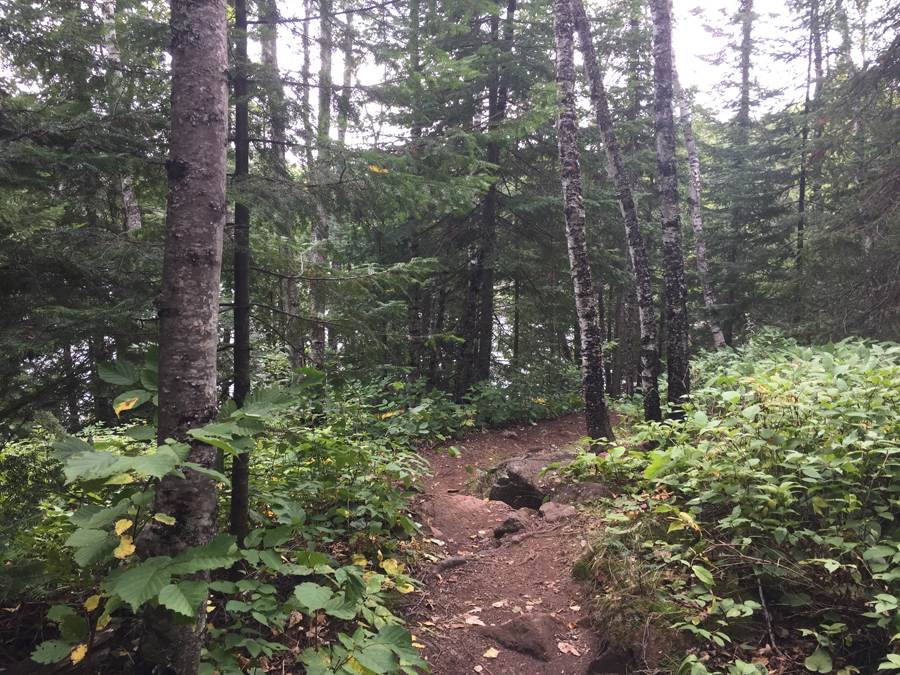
{"type": "Point", "coordinates": [376, 657]}
{"type": "Point", "coordinates": [149, 379]}
{"type": "Point", "coordinates": [71, 446]}
{"type": "Point", "coordinates": [819, 661]}
{"type": "Point", "coordinates": [796, 599]}
{"type": "Point", "coordinates": [84, 537]}
{"type": "Point", "coordinates": [656, 464]}
{"type": "Point", "coordinates": [51, 651]}
{"type": "Point", "coordinates": [117, 372]}
{"type": "Point", "coordinates": [141, 432]}
{"type": "Point", "coordinates": [143, 582]}
{"type": "Point", "coordinates": [317, 661]}
{"type": "Point", "coordinates": [73, 628]}
{"type": "Point", "coordinates": [703, 575]}
{"type": "Point", "coordinates": [89, 465]}
{"type": "Point", "coordinates": [312, 596]}
{"type": "Point", "coordinates": [59, 612]}
{"type": "Point", "coordinates": [220, 552]}
{"type": "Point", "coordinates": [751, 411]}
{"type": "Point", "coordinates": [270, 558]}
{"type": "Point", "coordinates": [209, 473]}
{"type": "Point", "coordinates": [341, 606]}
{"type": "Point", "coordinates": [184, 597]}
{"type": "Point", "coordinates": [94, 553]}
{"type": "Point", "coordinates": [879, 552]}
{"type": "Point", "coordinates": [157, 464]}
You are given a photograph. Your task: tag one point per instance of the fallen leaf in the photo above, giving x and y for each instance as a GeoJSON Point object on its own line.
{"type": "Point", "coordinates": [516, 609]}
{"type": "Point", "coordinates": [478, 669]}
{"type": "Point", "coordinates": [510, 562]}
{"type": "Point", "coordinates": [575, 608]}
{"type": "Point", "coordinates": [491, 653]}
{"type": "Point", "coordinates": [501, 603]}
{"type": "Point", "coordinates": [482, 532]}
{"type": "Point", "coordinates": [567, 648]}
{"type": "Point", "coordinates": [572, 625]}
{"type": "Point", "coordinates": [474, 621]}
{"type": "Point", "coordinates": [78, 653]}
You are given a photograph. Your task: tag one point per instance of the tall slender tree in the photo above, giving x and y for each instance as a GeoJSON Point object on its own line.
{"type": "Point", "coordinates": [188, 305]}
{"type": "Point", "coordinates": [640, 264]}
{"type": "Point", "coordinates": [586, 303]}
{"type": "Point", "coordinates": [677, 348]}
{"type": "Point", "coordinates": [709, 296]}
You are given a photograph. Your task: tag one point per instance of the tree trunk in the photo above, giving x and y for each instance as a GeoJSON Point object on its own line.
{"type": "Point", "coordinates": [344, 101]}
{"type": "Point", "coordinates": [640, 264]}
{"type": "Point", "coordinates": [465, 367]}
{"type": "Point", "coordinates": [677, 348]}
{"type": "Point", "coordinates": [709, 298]}
{"type": "Point", "coordinates": [320, 227]}
{"type": "Point", "coordinates": [132, 210]}
{"type": "Point", "coordinates": [598, 426]}
{"type": "Point", "coordinates": [240, 467]}
{"type": "Point", "coordinates": [188, 306]}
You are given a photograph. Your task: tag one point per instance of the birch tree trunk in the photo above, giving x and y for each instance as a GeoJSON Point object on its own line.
{"type": "Point", "coordinates": [598, 426]}
{"type": "Point", "coordinates": [320, 228]}
{"type": "Point", "coordinates": [132, 215]}
{"type": "Point", "coordinates": [709, 297]}
{"type": "Point", "coordinates": [188, 306]}
{"type": "Point", "coordinates": [677, 349]}
{"type": "Point", "coordinates": [649, 353]}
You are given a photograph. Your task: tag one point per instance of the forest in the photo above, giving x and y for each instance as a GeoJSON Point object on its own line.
{"type": "Point", "coordinates": [263, 264]}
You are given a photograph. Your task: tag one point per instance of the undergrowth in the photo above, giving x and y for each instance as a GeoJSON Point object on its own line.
{"type": "Point", "coordinates": [774, 502]}
{"type": "Point", "coordinates": [333, 470]}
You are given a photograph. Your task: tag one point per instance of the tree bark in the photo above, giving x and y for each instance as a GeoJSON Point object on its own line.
{"type": "Point", "coordinates": [320, 226]}
{"type": "Point", "coordinates": [649, 353]}
{"type": "Point", "coordinates": [598, 426]}
{"type": "Point", "coordinates": [132, 210]}
{"type": "Point", "coordinates": [188, 306]}
{"type": "Point", "coordinates": [240, 467]}
{"type": "Point", "coordinates": [709, 297]}
{"type": "Point", "coordinates": [677, 349]}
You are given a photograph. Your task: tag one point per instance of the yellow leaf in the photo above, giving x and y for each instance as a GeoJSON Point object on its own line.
{"type": "Point", "coordinates": [359, 560]}
{"type": "Point", "coordinates": [127, 404]}
{"type": "Point", "coordinates": [356, 665]}
{"type": "Point", "coordinates": [79, 653]}
{"type": "Point", "coordinates": [377, 169]}
{"type": "Point", "coordinates": [92, 603]}
{"type": "Point", "coordinates": [491, 653]}
{"type": "Point", "coordinates": [103, 621]}
{"type": "Point", "coordinates": [405, 588]}
{"type": "Point", "coordinates": [124, 549]}
{"type": "Point", "coordinates": [417, 645]}
{"type": "Point", "coordinates": [163, 518]}
{"type": "Point", "coordinates": [121, 479]}
{"type": "Point", "coordinates": [686, 517]}
{"type": "Point", "coordinates": [391, 566]}
{"type": "Point", "coordinates": [123, 525]}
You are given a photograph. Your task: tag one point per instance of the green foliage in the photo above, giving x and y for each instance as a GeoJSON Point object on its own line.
{"type": "Point", "coordinates": [781, 481]}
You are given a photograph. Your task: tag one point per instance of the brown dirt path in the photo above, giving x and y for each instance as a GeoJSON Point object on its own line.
{"type": "Point", "coordinates": [525, 578]}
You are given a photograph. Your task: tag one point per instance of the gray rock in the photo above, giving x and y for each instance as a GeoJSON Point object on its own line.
{"type": "Point", "coordinates": [551, 512]}
{"type": "Point", "coordinates": [533, 634]}
{"type": "Point", "coordinates": [579, 493]}
{"type": "Point", "coordinates": [522, 484]}
{"type": "Point", "coordinates": [450, 563]}
{"type": "Point", "coordinates": [515, 523]}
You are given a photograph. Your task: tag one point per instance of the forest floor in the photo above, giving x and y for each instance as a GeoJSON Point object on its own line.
{"type": "Point", "coordinates": [511, 606]}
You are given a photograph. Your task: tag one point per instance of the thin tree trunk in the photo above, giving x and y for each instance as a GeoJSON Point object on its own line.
{"type": "Point", "coordinates": [188, 306]}
{"type": "Point", "coordinates": [709, 297]}
{"type": "Point", "coordinates": [132, 210]}
{"type": "Point", "coordinates": [598, 426]}
{"type": "Point", "coordinates": [516, 320]}
{"type": "Point", "coordinates": [465, 367]}
{"type": "Point", "coordinates": [240, 467]}
{"type": "Point", "coordinates": [344, 101]}
{"type": "Point", "coordinates": [640, 264]}
{"type": "Point", "coordinates": [320, 226]}
{"type": "Point", "coordinates": [677, 348]}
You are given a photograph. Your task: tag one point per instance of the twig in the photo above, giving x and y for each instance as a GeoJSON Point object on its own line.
{"type": "Point", "coordinates": [768, 616]}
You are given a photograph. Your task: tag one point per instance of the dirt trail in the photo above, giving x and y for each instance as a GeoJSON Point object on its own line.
{"type": "Point", "coordinates": [523, 578]}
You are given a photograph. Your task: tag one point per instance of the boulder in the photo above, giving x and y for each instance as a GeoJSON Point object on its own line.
{"type": "Point", "coordinates": [515, 523]}
{"type": "Point", "coordinates": [521, 484]}
{"type": "Point", "coordinates": [579, 493]}
{"type": "Point", "coordinates": [552, 512]}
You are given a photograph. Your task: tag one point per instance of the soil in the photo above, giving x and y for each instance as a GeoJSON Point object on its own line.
{"type": "Point", "coordinates": [524, 578]}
